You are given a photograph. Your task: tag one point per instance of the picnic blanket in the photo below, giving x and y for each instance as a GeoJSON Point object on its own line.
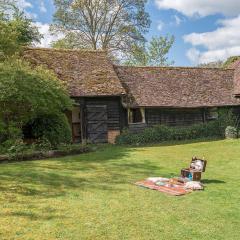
{"type": "Point", "coordinates": [174, 190]}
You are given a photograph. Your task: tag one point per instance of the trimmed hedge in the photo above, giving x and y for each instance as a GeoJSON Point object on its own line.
{"type": "Point", "coordinates": [161, 133]}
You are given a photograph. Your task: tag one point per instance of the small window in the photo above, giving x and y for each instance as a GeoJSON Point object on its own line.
{"type": "Point", "coordinates": [212, 114]}
{"type": "Point", "coordinates": [136, 115]}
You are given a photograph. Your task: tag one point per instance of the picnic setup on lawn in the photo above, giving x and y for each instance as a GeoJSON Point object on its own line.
{"type": "Point", "coordinates": [190, 180]}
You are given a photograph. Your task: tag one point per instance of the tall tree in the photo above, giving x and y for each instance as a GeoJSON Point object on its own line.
{"type": "Point", "coordinates": [16, 30]}
{"type": "Point", "coordinates": [112, 25]}
{"type": "Point", "coordinates": [153, 53]}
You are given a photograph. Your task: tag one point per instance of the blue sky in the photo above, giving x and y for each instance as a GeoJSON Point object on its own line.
{"type": "Point", "coordinates": [205, 30]}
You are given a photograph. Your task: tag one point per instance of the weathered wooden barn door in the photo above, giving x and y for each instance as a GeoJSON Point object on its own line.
{"type": "Point", "coordinates": [97, 129]}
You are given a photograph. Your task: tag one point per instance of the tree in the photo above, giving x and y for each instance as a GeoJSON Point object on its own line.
{"type": "Point", "coordinates": [29, 96]}
{"type": "Point", "coordinates": [217, 64]}
{"type": "Point", "coordinates": [153, 53]}
{"type": "Point", "coordinates": [16, 30]}
{"type": "Point", "coordinates": [28, 93]}
{"type": "Point", "coordinates": [70, 41]}
{"type": "Point", "coordinates": [230, 61]}
{"type": "Point", "coordinates": [101, 24]}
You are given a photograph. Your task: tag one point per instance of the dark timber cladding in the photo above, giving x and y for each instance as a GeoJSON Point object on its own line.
{"type": "Point", "coordinates": [174, 117]}
{"type": "Point", "coordinates": [102, 116]}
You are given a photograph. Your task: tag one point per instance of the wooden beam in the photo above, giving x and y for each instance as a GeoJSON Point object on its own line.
{"type": "Point", "coordinates": [130, 116]}
{"type": "Point", "coordinates": [142, 110]}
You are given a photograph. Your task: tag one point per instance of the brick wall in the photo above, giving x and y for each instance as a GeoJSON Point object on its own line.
{"type": "Point", "coordinates": [112, 134]}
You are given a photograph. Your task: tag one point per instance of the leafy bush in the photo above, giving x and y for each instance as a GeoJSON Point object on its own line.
{"type": "Point", "coordinates": [231, 132]}
{"type": "Point", "coordinates": [161, 133]}
{"type": "Point", "coordinates": [28, 94]}
{"type": "Point", "coordinates": [53, 129]}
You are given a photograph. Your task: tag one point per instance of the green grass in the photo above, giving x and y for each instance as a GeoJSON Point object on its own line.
{"type": "Point", "coordinates": [92, 196]}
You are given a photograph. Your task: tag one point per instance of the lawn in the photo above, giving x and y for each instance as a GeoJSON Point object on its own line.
{"type": "Point", "coordinates": [92, 196]}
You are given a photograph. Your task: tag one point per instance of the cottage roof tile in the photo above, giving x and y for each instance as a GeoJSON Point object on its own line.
{"type": "Point", "coordinates": [178, 86]}
{"type": "Point", "coordinates": [86, 73]}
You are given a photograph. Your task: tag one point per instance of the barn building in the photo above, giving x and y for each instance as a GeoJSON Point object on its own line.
{"type": "Point", "coordinates": [109, 98]}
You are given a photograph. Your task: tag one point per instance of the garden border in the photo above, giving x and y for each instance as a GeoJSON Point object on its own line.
{"type": "Point", "coordinates": [41, 155]}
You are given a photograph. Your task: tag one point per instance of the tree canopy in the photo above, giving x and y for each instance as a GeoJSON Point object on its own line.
{"type": "Point", "coordinates": [27, 93]}
{"type": "Point", "coordinates": [16, 30]}
{"type": "Point", "coordinates": [101, 24]}
{"type": "Point", "coordinates": [153, 53]}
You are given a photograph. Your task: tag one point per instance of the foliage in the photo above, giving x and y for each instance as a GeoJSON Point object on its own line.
{"type": "Point", "coordinates": [16, 31]}
{"type": "Point", "coordinates": [70, 41]}
{"type": "Point", "coordinates": [27, 93]}
{"type": "Point", "coordinates": [162, 133]}
{"type": "Point", "coordinates": [152, 54]}
{"type": "Point", "coordinates": [54, 129]}
{"type": "Point", "coordinates": [230, 61]}
{"type": "Point", "coordinates": [101, 24]}
{"type": "Point", "coordinates": [217, 64]}
{"type": "Point", "coordinates": [231, 132]}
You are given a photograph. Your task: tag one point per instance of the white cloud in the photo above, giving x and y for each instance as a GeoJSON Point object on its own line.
{"type": "Point", "coordinates": [219, 44]}
{"type": "Point", "coordinates": [201, 8]}
{"type": "Point", "coordinates": [24, 4]}
{"type": "Point", "coordinates": [27, 7]}
{"type": "Point", "coordinates": [193, 54]}
{"type": "Point", "coordinates": [178, 20]}
{"type": "Point", "coordinates": [48, 38]}
{"type": "Point", "coordinates": [42, 7]}
{"type": "Point", "coordinates": [160, 25]}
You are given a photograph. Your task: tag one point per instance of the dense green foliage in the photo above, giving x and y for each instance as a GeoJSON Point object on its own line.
{"type": "Point", "coordinates": [54, 128]}
{"type": "Point", "coordinates": [231, 132]}
{"type": "Point", "coordinates": [16, 31]}
{"type": "Point", "coordinates": [161, 133]}
{"type": "Point", "coordinates": [26, 94]}
{"type": "Point", "coordinates": [153, 53]}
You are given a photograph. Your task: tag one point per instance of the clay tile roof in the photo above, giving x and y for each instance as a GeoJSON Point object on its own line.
{"type": "Point", "coordinates": [178, 87]}
{"type": "Point", "coordinates": [86, 73]}
{"type": "Point", "coordinates": [236, 67]}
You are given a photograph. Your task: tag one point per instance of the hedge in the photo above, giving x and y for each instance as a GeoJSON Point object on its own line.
{"type": "Point", "coordinates": [161, 133]}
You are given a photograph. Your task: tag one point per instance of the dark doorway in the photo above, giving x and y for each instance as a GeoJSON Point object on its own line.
{"type": "Point", "coordinates": [97, 129]}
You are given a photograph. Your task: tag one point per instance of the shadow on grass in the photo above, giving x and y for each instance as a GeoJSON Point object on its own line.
{"type": "Point", "coordinates": [34, 216]}
{"type": "Point", "coordinates": [105, 170]}
{"type": "Point", "coordinates": [212, 181]}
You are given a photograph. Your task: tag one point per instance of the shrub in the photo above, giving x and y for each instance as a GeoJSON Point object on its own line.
{"type": "Point", "coordinates": [54, 129]}
{"type": "Point", "coordinates": [161, 133]}
{"type": "Point", "coordinates": [231, 132]}
{"type": "Point", "coordinates": [28, 93]}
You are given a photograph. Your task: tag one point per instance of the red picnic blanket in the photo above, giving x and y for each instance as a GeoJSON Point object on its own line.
{"type": "Point", "coordinates": [175, 190]}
